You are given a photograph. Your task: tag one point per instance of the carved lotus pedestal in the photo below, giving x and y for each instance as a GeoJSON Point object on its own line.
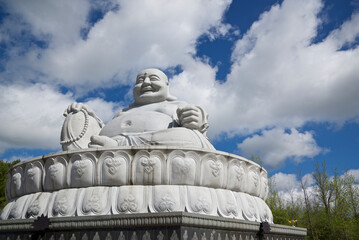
{"type": "Point", "coordinates": [139, 193]}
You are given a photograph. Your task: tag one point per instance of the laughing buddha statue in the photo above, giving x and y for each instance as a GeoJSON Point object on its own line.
{"type": "Point", "coordinates": [154, 118]}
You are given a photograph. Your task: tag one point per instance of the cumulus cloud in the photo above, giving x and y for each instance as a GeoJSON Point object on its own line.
{"type": "Point", "coordinates": [355, 174]}
{"type": "Point", "coordinates": [280, 78]}
{"type": "Point", "coordinates": [275, 146]}
{"type": "Point", "coordinates": [138, 34]}
{"type": "Point", "coordinates": [32, 115]}
{"type": "Point", "coordinates": [284, 182]}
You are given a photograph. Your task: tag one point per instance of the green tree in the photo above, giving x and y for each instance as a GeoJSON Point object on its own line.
{"type": "Point", "coordinates": [4, 168]}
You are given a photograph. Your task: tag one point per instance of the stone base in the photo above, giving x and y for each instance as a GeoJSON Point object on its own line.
{"type": "Point", "coordinates": [155, 226]}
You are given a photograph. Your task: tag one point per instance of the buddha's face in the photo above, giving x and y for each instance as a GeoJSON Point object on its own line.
{"type": "Point", "coordinates": [151, 86]}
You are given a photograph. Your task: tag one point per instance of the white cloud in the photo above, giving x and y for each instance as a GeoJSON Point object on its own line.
{"type": "Point", "coordinates": [355, 174]}
{"type": "Point", "coordinates": [32, 115]}
{"type": "Point", "coordinates": [280, 79]}
{"type": "Point", "coordinates": [138, 35]}
{"type": "Point", "coordinates": [275, 146]}
{"type": "Point", "coordinates": [284, 182]}
{"type": "Point", "coordinates": [58, 21]}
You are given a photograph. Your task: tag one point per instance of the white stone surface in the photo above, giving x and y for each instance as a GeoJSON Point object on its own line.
{"type": "Point", "coordinates": [153, 156]}
{"type": "Point", "coordinates": [137, 166]}
{"type": "Point", "coordinates": [155, 118]}
{"type": "Point", "coordinates": [138, 199]}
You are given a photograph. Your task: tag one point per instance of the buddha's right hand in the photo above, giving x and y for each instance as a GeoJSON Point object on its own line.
{"type": "Point", "coordinates": [77, 107]}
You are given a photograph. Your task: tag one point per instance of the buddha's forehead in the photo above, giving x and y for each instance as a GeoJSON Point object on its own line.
{"type": "Point", "coordinates": [154, 71]}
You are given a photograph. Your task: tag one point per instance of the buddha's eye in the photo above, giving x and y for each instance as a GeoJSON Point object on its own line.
{"type": "Point", "coordinates": [154, 78]}
{"type": "Point", "coordinates": [140, 80]}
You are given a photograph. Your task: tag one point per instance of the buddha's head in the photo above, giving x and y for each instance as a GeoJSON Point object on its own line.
{"type": "Point", "coordinates": [151, 87]}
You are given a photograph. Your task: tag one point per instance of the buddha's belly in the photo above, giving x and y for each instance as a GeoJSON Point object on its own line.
{"type": "Point", "coordinates": [148, 121]}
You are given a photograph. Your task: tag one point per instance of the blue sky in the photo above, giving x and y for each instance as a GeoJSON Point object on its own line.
{"type": "Point", "coordinates": [279, 79]}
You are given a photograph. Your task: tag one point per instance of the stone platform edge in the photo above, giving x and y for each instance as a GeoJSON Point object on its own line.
{"type": "Point", "coordinates": [141, 220]}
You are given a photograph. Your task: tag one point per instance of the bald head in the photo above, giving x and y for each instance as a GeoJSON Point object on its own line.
{"type": "Point", "coordinates": [151, 86]}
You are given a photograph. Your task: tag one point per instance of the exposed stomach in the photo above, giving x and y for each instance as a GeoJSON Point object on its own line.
{"type": "Point", "coordinates": [137, 122]}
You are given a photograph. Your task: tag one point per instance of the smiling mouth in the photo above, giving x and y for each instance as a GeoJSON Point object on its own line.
{"type": "Point", "coordinates": [146, 89]}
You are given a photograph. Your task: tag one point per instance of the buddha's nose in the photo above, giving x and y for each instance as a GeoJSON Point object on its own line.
{"type": "Point", "coordinates": [147, 80]}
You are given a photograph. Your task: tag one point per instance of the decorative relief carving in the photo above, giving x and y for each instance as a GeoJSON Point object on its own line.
{"type": "Point", "coordinates": [63, 203]}
{"type": "Point", "coordinates": [212, 171]}
{"type": "Point", "coordinates": [134, 236]}
{"type": "Point", "coordinates": [33, 177]}
{"type": "Point", "coordinates": [73, 237]}
{"type": "Point", "coordinates": [108, 236]}
{"type": "Point", "coordinates": [174, 236]}
{"type": "Point", "coordinates": [166, 199]}
{"type": "Point", "coordinates": [160, 236]}
{"type": "Point", "coordinates": [264, 185]}
{"type": "Point", "coordinates": [200, 200]}
{"type": "Point", "coordinates": [182, 167]}
{"type": "Point", "coordinates": [227, 204]}
{"type": "Point", "coordinates": [55, 173]}
{"type": "Point", "coordinates": [236, 175]}
{"type": "Point", "coordinates": [166, 204]}
{"type": "Point", "coordinates": [16, 185]}
{"type": "Point", "coordinates": [146, 236]}
{"type": "Point", "coordinates": [130, 199]}
{"type": "Point", "coordinates": [147, 167]}
{"type": "Point", "coordinates": [129, 204]}
{"type": "Point", "coordinates": [185, 235]}
{"type": "Point", "coordinates": [96, 237]}
{"type": "Point", "coordinates": [253, 181]}
{"type": "Point", "coordinates": [122, 236]}
{"type": "Point", "coordinates": [113, 168]}
{"type": "Point", "coordinates": [16, 211]}
{"type": "Point", "coordinates": [82, 170]}
{"type": "Point", "coordinates": [95, 200]}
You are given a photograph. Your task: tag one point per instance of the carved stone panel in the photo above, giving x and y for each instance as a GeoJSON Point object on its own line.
{"type": "Point", "coordinates": [249, 206]}
{"type": "Point", "coordinates": [81, 170]}
{"type": "Point", "coordinates": [17, 186]}
{"type": "Point", "coordinates": [182, 167]}
{"type": "Point", "coordinates": [37, 204]}
{"type": "Point", "coordinates": [63, 203]}
{"type": "Point", "coordinates": [17, 208]}
{"type": "Point", "coordinates": [55, 173]}
{"type": "Point", "coordinates": [113, 168]}
{"type": "Point", "coordinates": [264, 185]}
{"type": "Point", "coordinates": [147, 168]}
{"type": "Point", "coordinates": [201, 200]}
{"type": "Point", "coordinates": [130, 199]}
{"type": "Point", "coordinates": [253, 180]}
{"type": "Point", "coordinates": [213, 171]}
{"type": "Point", "coordinates": [94, 201]}
{"type": "Point", "coordinates": [236, 175]}
{"type": "Point", "coordinates": [33, 177]}
{"type": "Point", "coordinates": [227, 204]}
{"type": "Point", "coordinates": [166, 199]}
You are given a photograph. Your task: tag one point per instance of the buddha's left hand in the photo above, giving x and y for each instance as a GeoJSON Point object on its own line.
{"type": "Point", "coordinates": [190, 117]}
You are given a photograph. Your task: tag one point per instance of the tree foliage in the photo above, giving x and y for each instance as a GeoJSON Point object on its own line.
{"type": "Point", "coordinates": [4, 168]}
{"type": "Point", "coordinates": [329, 210]}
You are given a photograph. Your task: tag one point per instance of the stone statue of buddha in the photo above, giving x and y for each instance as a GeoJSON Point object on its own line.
{"type": "Point", "coordinates": [154, 118]}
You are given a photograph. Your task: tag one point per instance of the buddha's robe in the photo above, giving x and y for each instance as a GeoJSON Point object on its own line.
{"type": "Point", "coordinates": [155, 124]}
